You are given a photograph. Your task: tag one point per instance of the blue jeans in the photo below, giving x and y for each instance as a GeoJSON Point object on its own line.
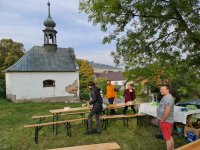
{"type": "Point", "coordinates": [111, 100]}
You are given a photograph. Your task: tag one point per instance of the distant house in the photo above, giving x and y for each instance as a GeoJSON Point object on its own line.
{"type": "Point", "coordinates": [44, 73]}
{"type": "Point", "coordinates": [116, 78]}
{"type": "Point", "coordinates": [100, 68]}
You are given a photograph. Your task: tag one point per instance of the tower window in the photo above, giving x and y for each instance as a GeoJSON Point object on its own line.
{"type": "Point", "coordinates": [49, 83]}
{"type": "Point", "coordinates": [51, 41]}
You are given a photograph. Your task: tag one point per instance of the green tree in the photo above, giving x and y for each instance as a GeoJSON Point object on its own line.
{"type": "Point", "coordinates": [187, 83]}
{"type": "Point", "coordinates": [10, 52]}
{"type": "Point", "coordinates": [102, 84]}
{"type": "Point", "coordinates": [148, 30]}
{"type": "Point", "coordinates": [86, 73]}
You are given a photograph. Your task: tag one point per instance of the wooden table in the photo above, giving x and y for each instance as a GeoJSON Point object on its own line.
{"type": "Point", "coordinates": [120, 105]}
{"type": "Point", "coordinates": [77, 109]}
{"type": "Point", "coordinates": [57, 112]}
{"type": "Point", "coordinates": [102, 146]}
{"type": "Point", "coordinates": [191, 146]}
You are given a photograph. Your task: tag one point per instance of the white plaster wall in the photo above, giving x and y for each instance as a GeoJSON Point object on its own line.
{"type": "Point", "coordinates": [120, 82]}
{"type": "Point", "coordinates": [30, 85]}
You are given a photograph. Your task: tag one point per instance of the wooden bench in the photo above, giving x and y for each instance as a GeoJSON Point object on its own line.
{"type": "Point", "coordinates": [191, 146]}
{"type": "Point", "coordinates": [102, 146]}
{"type": "Point", "coordinates": [124, 117]}
{"type": "Point", "coordinates": [42, 117]}
{"type": "Point", "coordinates": [132, 116]}
{"type": "Point", "coordinates": [67, 124]}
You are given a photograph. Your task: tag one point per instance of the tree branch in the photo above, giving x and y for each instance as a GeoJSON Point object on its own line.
{"type": "Point", "coordinates": [183, 24]}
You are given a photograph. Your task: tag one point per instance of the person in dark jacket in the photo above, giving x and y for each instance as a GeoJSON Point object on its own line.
{"type": "Point", "coordinates": [97, 107]}
{"type": "Point", "coordinates": [129, 95]}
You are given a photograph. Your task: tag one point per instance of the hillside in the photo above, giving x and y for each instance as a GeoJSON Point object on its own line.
{"type": "Point", "coordinates": [102, 66]}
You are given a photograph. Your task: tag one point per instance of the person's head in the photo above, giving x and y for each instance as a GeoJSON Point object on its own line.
{"type": "Point", "coordinates": [91, 84]}
{"type": "Point", "coordinates": [130, 86]}
{"type": "Point", "coordinates": [164, 89]}
{"type": "Point", "coordinates": [108, 82]}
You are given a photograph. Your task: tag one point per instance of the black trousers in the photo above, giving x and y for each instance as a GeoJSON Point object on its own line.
{"type": "Point", "coordinates": [98, 124]}
{"type": "Point", "coordinates": [126, 108]}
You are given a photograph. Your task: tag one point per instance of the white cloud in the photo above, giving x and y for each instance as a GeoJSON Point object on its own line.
{"type": "Point", "coordinates": [22, 21]}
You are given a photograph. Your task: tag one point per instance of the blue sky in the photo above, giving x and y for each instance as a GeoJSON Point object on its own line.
{"type": "Point", "coordinates": [22, 20]}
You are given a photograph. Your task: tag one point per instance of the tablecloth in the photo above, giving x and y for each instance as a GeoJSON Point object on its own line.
{"type": "Point", "coordinates": [179, 116]}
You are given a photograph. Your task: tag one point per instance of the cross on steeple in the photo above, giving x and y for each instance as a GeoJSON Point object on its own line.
{"type": "Point", "coordinates": [49, 32]}
{"type": "Point", "coordinates": [49, 8]}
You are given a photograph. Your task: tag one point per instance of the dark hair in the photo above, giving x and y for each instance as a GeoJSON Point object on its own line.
{"type": "Point", "coordinates": [91, 83]}
{"type": "Point", "coordinates": [165, 85]}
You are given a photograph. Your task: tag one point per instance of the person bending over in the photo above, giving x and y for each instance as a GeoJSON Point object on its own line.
{"type": "Point", "coordinates": [96, 101]}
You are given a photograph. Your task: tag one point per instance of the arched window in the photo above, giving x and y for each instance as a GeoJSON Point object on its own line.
{"type": "Point", "coordinates": [49, 83]}
{"type": "Point", "coordinates": [51, 40]}
{"type": "Point", "coordinates": [46, 41]}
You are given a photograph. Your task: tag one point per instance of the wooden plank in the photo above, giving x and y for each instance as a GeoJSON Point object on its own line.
{"type": "Point", "coordinates": [121, 116]}
{"type": "Point", "coordinates": [134, 115]}
{"type": "Point", "coordinates": [54, 123]}
{"type": "Point", "coordinates": [121, 105]}
{"type": "Point", "coordinates": [112, 116]}
{"type": "Point", "coordinates": [102, 146]}
{"type": "Point", "coordinates": [57, 111]}
{"type": "Point", "coordinates": [80, 119]}
{"type": "Point", "coordinates": [47, 116]}
{"type": "Point", "coordinates": [191, 146]}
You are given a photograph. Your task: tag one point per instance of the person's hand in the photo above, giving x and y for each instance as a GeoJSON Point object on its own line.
{"type": "Point", "coordinates": [88, 105]}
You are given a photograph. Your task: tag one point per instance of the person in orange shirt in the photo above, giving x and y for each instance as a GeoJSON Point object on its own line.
{"type": "Point", "coordinates": [110, 94]}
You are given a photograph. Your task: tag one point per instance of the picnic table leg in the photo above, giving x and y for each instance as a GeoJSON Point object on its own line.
{"type": "Point", "coordinates": [69, 127]}
{"type": "Point", "coordinates": [137, 120]}
{"type": "Point", "coordinates": [127, 122]}
{"type": "Point", "coordinates": [66, 128]}
{"type": "Point", "coordinates": [87, 126]}
{"type": "Point", "coordinates": [83, 116]}
{"type": "Point", "coordinates": [103, 123]}
{"type": "Point", "coordinates": [53, 121]}
{"type": "Point", "coordinates": [106, 123]}
{"type": "Point", "coordinates": [36, 134]}
{"type": "Point", "coordinates": [41, 119]}
{"type": "Point", "coordinates": [56, 129]}
{"type": "Point", "coordinates": [123, 122]}
{"type": "Point", "coordinates": [56, 117]}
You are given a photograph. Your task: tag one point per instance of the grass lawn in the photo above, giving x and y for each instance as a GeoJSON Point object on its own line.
{"type": "Point", "coordinates": [13, 117]}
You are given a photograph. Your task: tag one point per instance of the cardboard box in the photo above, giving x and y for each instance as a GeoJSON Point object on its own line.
{"type": "Point", "coordinates": [196, 131]}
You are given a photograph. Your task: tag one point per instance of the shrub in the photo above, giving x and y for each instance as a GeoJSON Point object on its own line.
{"type": "Point", "coordinates": [2, 88]}
{"type": "Point", "coordinates": [84, 95]}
